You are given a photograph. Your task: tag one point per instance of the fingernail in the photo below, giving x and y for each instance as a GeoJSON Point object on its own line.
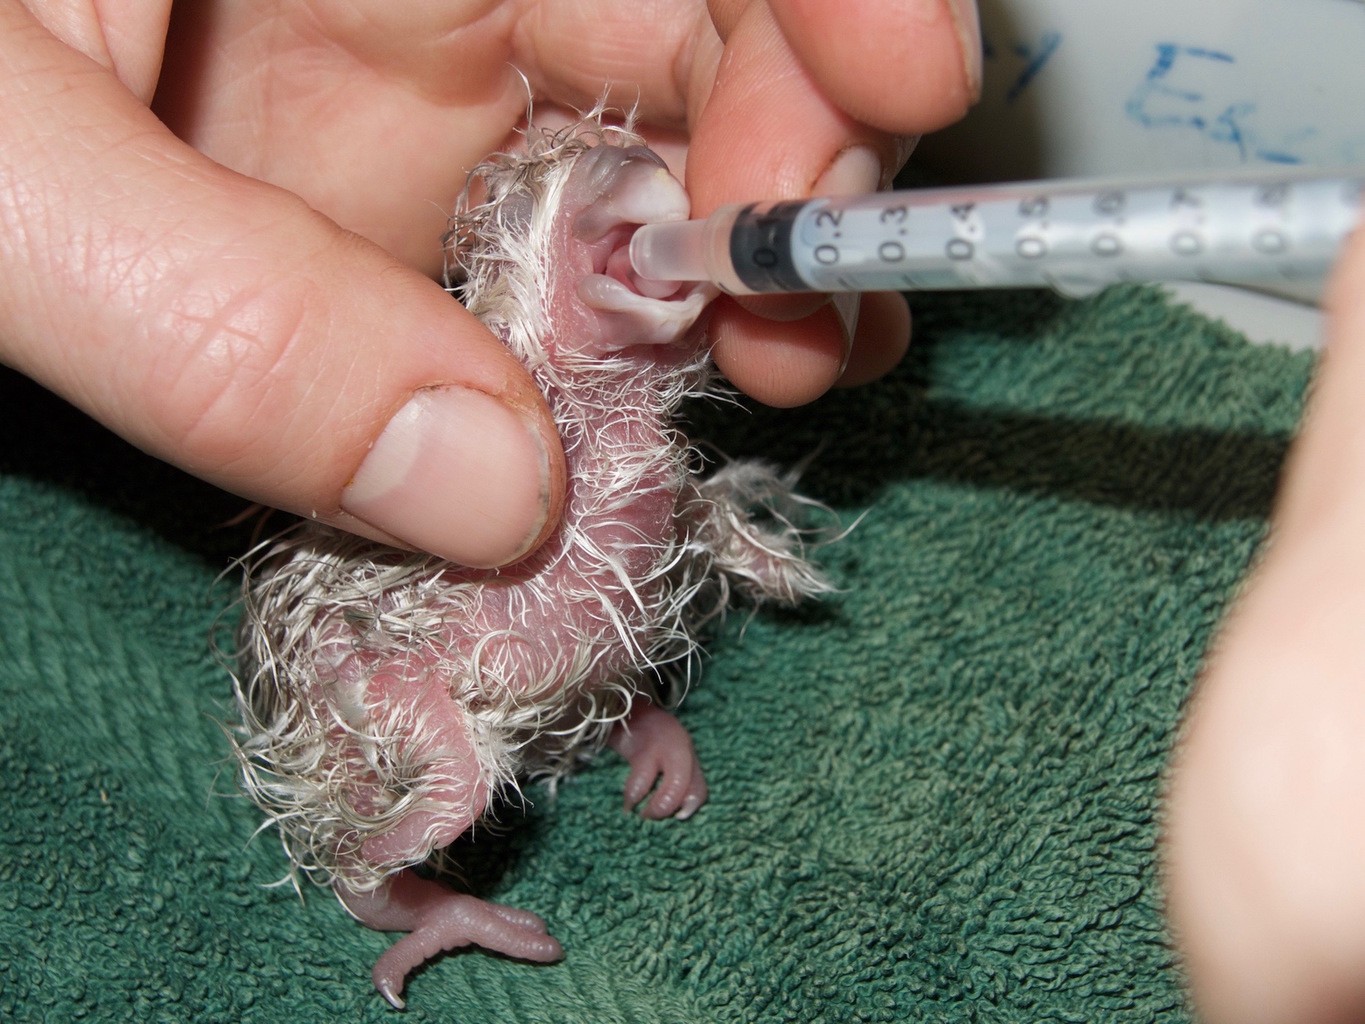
{"type": "Point", "coordinates": [905, 147]}
{"type": "Point", "coordinates": [854, 171]}
{"type": "Point", "coordinates": [968, 22]}
{"type": "Point", "coordinates": [456, 473]}
{"type": "Point", "coordinates": [846, 306]}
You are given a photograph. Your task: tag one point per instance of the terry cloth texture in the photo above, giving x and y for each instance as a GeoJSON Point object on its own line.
{"type": "Point", "coordinates": [934, 797]}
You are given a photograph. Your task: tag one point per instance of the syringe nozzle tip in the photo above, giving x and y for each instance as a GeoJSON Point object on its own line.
{"type": "Point", "coordinates": [673, 251]}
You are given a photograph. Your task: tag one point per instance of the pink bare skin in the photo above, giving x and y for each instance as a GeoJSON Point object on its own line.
{"type": "Point", "coordinates": [595, 310]}
{"type": "Point", "coordinates": [1265, 818]}
{"type": "Point", "coordinates": [438, 920]}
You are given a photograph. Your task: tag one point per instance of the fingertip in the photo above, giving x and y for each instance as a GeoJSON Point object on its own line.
{"type": "Point", "coordinates": [790, 363]}
{"type": "Point", "coordinates": [778, 364]}
{"type": "Point", "coordinates": [930, 48]}
{"type": "Point", "coordinates": [767, 131]}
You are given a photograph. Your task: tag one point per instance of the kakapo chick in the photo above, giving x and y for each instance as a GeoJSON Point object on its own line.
{"type": "Point", "coordinates": [387, 698]}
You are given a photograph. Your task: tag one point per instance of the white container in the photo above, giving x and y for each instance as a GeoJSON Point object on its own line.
{"type": "Point", "coordinates": [1085, 87]}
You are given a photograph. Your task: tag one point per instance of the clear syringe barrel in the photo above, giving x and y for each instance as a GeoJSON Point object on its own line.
{"type": "Point", "coordinates": [1076, 237]}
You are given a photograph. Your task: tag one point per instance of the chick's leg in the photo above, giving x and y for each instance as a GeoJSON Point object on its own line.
{"type": "Point", "coordinates": [438, 919]}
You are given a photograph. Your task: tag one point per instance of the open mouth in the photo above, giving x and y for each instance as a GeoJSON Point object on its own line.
{"type": "Point", "coordinates": [633, 188]}
{"type": "Point", "coordinates": [618, 267]}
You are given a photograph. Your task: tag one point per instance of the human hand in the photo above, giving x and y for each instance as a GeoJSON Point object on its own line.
{"type": "Point", "coordinates": [1265, 824]}
{"type": "Point", "coordinates": [251, 303]}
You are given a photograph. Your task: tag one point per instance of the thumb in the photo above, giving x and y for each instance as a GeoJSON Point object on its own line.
{"type": "Point", "coordinates": [223, 325]}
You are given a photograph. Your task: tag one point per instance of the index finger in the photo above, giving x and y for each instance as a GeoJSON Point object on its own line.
{"type": "Point", "coordinates": [801, 84]}
{"type": "Point", "coordinates": [786, 119]}
{"type": "Point", "coordinates": [929, 49]}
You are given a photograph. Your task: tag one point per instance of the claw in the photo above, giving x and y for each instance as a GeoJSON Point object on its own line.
{"type": "Point", "coordinates": [387, 990]}
{"type": "Point", "coordinates": [690, 806]}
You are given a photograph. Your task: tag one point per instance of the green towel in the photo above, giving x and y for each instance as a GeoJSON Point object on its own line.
{"type": "Point", "coordinates": [934, 796]}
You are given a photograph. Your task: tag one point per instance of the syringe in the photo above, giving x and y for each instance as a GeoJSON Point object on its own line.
{"type": "Point", "coordinates": [1263, 229]}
